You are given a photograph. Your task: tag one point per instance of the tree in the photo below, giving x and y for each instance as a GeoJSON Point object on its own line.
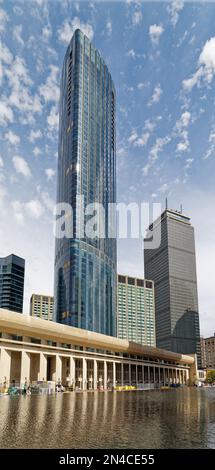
{"type": "Point", "coordinates": [210, 377]}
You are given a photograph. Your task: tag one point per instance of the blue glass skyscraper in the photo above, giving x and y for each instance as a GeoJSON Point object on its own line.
{"type": "Point", "coordinates": [85, 268]}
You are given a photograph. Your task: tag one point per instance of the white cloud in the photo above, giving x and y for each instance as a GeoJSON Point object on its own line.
{"type": "Point", "coordinates": [132, 137]}
{"type": "Point", "coordinates": [3, 19]}
{"type": "Point", "coordinates": [5, 55]}
{"type": "Point", "coordinates": [1, 162]}
{"type": "Point", "coordinates": [157, 148]}
{"type": "Point", "coordinates": [50, 173]}
{"type": "Point", "coordinates": [3, 193]}
{"type": "Point", "coordinates": [182, 146]}
{"type": "Point", "coordinates": [18, 74]}
{"type": "Point", "coordinates": [6, 114]}
{"type": "Point", "coordinates": [142, 141]}
{"type": "Point", "coordinates": [65, 32]}
{"type": "Point", "coordinates": [211, 142]}
{"type": "Point", "coordinates": [50, 91]}
{"type": "Point", "coordinates": [189, 162]}
{"type": "Point", "coordinates": [164, 188]}
{"type": "Point", "coordinates": [17, 10]}
{"type": "Point", "coordinates": [17, 207]}
{"type": "Point", "coordinates": [141, 85]}
{"type": "Point", "coordinates": [131, 53]}
{"type": "Point", "coordinates": [180, 130]}
{"type": "Point", "coordinates": [155, 98]}
{"type": "Point", "coordinates": [36, 151]}
{"type": "Point", "coordinates": [206, 67]}
{"type": "Point", "coordinates": [109, 27]}
{"type": "Point", "coordinates": [46, 33]}
{"type": "Point", "coordinates": [149, 125]}
{"type": "Point", "coordinates": [155, 32]}
{"type": "Point", "coordinates": [48, 201]}
{"type": "Point", "coordinates": [183, 121]}
{"type": "Point", "coordinates": [12, 138]}
{"type": "Point", "coordinates": [137, 17]}
{"type": "Point", "coordinates": [173, 9]}
{"type": "Point", "coordinates": [34, 135]}
{"type": "Point", "coordinates": [53, 118]}
{"type": "Point", "coordinates": [21, 97]}
{"type": "Point", "coordinates": [21, 166]}
{"type": "Point", "coordinates": [17, 34]}
{"type": "Point", "coordinates": [34, 208]}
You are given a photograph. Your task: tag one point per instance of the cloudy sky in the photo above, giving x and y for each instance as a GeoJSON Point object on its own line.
{"type": "Point", "coordinates": [162, 60]}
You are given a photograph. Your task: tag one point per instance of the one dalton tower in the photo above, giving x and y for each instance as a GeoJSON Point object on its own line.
{"type": "Point", "coordinates": [85, 267]}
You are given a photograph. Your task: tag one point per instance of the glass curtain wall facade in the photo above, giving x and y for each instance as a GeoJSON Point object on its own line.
{"type": "Point", "coordinates": [85, 268]}
{"type": "Point", "coordinates": [12, 274]}
{"type": "Point", "coordinates": [172, 266]}
{"type": "Point", "coordinates": [136, 310]}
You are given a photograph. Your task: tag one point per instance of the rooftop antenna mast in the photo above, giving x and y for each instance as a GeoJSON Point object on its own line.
{"type": "Point", "coordinates": [166, 203]}
{"type": "Point", "coordinates": [181, 208]}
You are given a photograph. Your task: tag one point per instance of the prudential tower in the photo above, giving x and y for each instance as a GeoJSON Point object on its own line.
{"type": "Point", "coordinates": [85, 267]}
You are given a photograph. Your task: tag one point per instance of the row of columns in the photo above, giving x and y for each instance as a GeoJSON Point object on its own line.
{"type": "Point", "coordinates": [153, 374]}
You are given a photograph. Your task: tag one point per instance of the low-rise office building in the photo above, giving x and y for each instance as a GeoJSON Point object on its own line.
{"type": "Point", "coordinates": [42, 306]}
{"type": "Point", "coordinates": [136, 310]}
{"type": "Point", "coordinates": [32, 349]}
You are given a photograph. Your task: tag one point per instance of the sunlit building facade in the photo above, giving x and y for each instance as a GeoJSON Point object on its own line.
{"type": "Point", "coordinates": [136, 310]}
{"type": "Point", "coordinates": [41, 306]}
{"type": "Point", "coordinates": [85, 267]}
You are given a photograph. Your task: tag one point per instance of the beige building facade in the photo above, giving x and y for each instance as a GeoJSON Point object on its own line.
{"type": "Point", "coordinates": [210, 352]}
{"type": "Point", "coordinates": [36, 350]}
{"type": "Point", "coordinates": [42, 306]}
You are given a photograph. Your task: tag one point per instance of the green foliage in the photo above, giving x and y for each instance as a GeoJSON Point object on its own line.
{"type": "Point", "coordinates": [210, 378]}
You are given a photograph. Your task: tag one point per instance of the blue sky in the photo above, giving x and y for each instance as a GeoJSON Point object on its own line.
{"type": "Point", "coordinates": [162, 60]}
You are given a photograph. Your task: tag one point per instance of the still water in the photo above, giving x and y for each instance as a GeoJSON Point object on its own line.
{"type": "Point", "coordinates": [177, 418]}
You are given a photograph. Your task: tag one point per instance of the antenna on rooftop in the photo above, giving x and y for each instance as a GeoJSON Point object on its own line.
{"type": "Point", "coordinates": [166, 203]}
{"type": "Point", "coordinates": [181, 208]}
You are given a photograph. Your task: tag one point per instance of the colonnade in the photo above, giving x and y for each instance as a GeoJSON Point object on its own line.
{"type": "Point", "coordinates": [82, 371]}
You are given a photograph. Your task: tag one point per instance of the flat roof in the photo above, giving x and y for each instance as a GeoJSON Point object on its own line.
{"type": "Point", "coordinates": [25, 325]}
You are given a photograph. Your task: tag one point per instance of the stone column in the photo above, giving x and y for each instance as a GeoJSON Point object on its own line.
{"type": "Point", "coordinates": [105, 375]}
{"type": "Point", "coordinates": [84, 374]}
{"type": "Point", "coordinates": [159, 375]}
{"type": "Point", "coordinates": [129, 373]}
{"type": "Point", "coordinates": [72, 371]}
{"type": "Point", "coordinates": [58, 370]}
{"type": "Point", "coordinates": [114, 374]}
{"type": "Point", "coordinates": [122, 375]}
{"type": "Point", "coordinates": [95, 374]}
{"type": "Point", "coordinates": [5, 366]}
{"type": "Point", "coordinates": [25, 367]}
{"type": "Point", "coordinates": [43, 367]}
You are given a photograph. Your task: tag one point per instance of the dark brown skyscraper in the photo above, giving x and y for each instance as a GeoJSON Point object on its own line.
{"type": "Point", "coordinates": [172, 267]}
